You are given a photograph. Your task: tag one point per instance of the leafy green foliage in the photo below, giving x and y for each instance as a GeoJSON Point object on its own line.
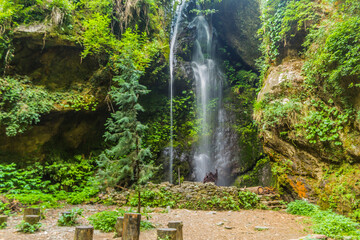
{"type": "Point", "coordinates": [275, 113]}
{"type": "Point", "coordinates": [28, 187]}
{"type": "Point", "coordinates": [21, 104]}
{"type": "Point", "coordinates": [125, 161]}
{"type": "Point", "coordinates": [3, 225]}
{"type": "Point", "coordinates": [303, 208]}
{"type": "Point", "coordinates": [205, 7]}
{"type": "Point", "coordinates": [36, 198]}
{"type": "Point", "coordinates": [151, 198]}
{"type": "Point", "coordinates": [70, 174]}
{"type": "Point", "coordinates": [106, 220]}
{"type": "Point", "coordinates": [326, 124]}
{"type": "Point", "coordinates": [335, 225]}
{"type": "Point", "coordinates": [26, 227]}
{"type": "Point", "coordinates": [336, 64]}
{"type": "Point", "coordinates": [281, 21]}
{"type": "Point", "coordinates": [69, 218]}
{"type": "Point", "coordinates": [13, 180]}
{"type": "Point", "coordinates": [248, 200]}
{"type": "Point", "coordinates": [4, 208]}
{"type": "Point", "coordinates": [326, 222]}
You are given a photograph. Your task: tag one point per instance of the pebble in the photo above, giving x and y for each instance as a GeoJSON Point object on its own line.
{"type": "Point", "coordinates": [210, 213]}
{"type": "Point", "coordinates": [227, 227]}
{"type": "Point", "coordinates": [220, 223]}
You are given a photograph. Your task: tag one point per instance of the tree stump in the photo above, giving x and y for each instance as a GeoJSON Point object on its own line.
{"type": "Point", "coordinates": [166, 233]}
{"type": "Point", "coordinates": [32, 219]}
{"type": "Point", "coordinates": [119, 227]}
{"type": "Point", "coordinates": [3, 219]}
{"type": "Point", "coordinates": [84, 233]}
{"type": "Point", "coordinates": [131, 226]}
{"type": "Point", "coordinates": [31, 211]}
{"type": "Point", "coordinates": [178, 225]}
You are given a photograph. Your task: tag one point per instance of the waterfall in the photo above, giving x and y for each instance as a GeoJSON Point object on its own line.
{"type": "Point", "coordinates": [216, 141]}
{"type": "Point", "coordinates": [175, 30]}
{"type": "Point", "coordinates": [211, 153]}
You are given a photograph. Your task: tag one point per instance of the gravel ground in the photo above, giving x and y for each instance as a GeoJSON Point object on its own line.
{"type": "Point", "coordinates": [198, 225]}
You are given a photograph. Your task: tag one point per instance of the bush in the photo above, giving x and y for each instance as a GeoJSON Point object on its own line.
{"type": "Point", "coordinates": [104, 221]}
{"type": "Point", "coordinates": [335, 226]}
{"type": "Point", "coordinates": [248, 200]}
{"type": "Point", "coordinates": [28, 228]}
{"type": "Point", "coordinates": [3, 225]}
{"type": "Point", "coordinates": [326, 222]}
{"type": "Point", "coordinates": [36, 198]}
{"type": "Point", "coordinates": [69, 218]}
{"type": "Point", "coordinates": [300, 207]}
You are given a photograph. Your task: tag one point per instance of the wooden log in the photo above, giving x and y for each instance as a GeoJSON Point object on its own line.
{"type": "Point", "coordinates": [32, 211]}
{"type": "Point", "coordinates": [32, 219]}
{"type": "Point", "coordinates": [119, 227]}
{"type": "Point", "coordinates": [84, 233]}
{"type": "Point", "coordinates": [131, 226]}
{"type": "Point", "coordinates": [178, 225]}
{"type": "Point", "coordinates": [166, 233]}
{"type": "Point", "coordinates": [3, 219]}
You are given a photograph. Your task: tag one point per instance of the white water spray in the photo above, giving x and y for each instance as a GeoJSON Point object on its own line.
{"type": "Point", "coordinates": [175, 30]}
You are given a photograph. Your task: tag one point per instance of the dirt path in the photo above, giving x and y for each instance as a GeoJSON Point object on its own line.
{"type": "Point", "coordinates": [198, 225]}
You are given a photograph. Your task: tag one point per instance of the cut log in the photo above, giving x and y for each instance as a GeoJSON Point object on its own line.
{"type": "Point", "coordinates": [32, 211]}
{"type": "Point", "coordinates": [131, 226]}
{"type": "Point", "coordinates": [84, 233]}
{"type": "Point", "coordinates": [166, 233]}
{"type": "Point", "coordinates": [3, 219]}
{"type": "Point", "coordinates": [178, 225]}
{"type": "Point", "coordinates": [119, 227]}
{"type": "Point", "coordinates": [32, 219]}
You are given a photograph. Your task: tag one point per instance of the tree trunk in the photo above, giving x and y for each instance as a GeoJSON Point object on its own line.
{"type": "Point", "coordinates": [32, 211]}
{"type": "Point", "coordinates": [3, 219]}
{"type": "Point", "coordinates": [131, 227]}
{"type": "Point", "coordinates": [166, 233]}
{"type": "Point", "coordinates": [178, 225]}
{"type": "Point", "coordinates": [84, 233]}
{"type": "Point", "coordinates": [119, 227]}
{"type": "Point", "coordinates": [32, 219]}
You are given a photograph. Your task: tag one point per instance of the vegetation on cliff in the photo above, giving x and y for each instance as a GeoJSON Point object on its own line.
{"type": "Point", "coordinates": [311, 49]}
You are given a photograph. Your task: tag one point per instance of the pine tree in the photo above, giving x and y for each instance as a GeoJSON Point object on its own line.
{"type": "Point", "coordinates": [125, 162]}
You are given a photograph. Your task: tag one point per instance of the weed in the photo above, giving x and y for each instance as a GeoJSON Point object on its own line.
{"type": "Point", "coordinates": [69, 218]}
{"type": "Point", "coordinates": [26, 227]}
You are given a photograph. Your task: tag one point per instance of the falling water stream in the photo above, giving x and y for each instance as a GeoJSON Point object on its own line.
{"type": "Point", "coordinates": [175, 29]}
{"type": "Point", "coordinates": [211, 152]}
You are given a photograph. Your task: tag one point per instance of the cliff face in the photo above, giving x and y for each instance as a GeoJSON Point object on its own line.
{"type": "Point", "coordinates": [76, 121]}
{"type": "Point", "coordinates": [308, 118]}
{"type": "Point", "coordinates": [237, 23]}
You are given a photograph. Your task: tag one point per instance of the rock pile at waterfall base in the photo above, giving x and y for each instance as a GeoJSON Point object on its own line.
{"type": "Point", "coordinates": [196, 195]}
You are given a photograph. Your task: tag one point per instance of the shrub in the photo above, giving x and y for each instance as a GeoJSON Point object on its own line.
{"type": "Point", "coordinates": [248, 200]}
{"type": "Point", "coordinates": [69, 218]}
{"type": "Point", "coordinates": [300, 207]}
{"type": "Point", "coordinates": [326, 222]}
{"type": "Point", "coordinates": [3, 225]}
{"type": "Point", "coordinates": [335, 226]}
{"type": "Point", "coordinates": [104, 221]}
{"type": "Point", "coordinates": [26, 227]}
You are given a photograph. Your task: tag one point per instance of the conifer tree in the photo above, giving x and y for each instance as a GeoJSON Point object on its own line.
{"type": "Point", "coordinates": [124, 162]}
